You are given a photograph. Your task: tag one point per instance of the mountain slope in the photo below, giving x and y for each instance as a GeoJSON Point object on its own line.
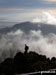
{"type": "Point", "coordinates": [27, 26]}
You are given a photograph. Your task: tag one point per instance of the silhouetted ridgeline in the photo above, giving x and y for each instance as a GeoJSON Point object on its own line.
{"type": "Point", "coordinates": [26, 62]}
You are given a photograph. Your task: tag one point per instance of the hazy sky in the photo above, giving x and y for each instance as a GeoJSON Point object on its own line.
{"type": "Point", "coordinates": [25, 10]}
{"type": "Point", "coordinates": [27, 3]}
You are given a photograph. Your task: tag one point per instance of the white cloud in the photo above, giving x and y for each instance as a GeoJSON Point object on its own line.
{"type": "Point", "coordinates": [50, 0]}
{"type": "Point", "coordinates": [18, 32]}
{"type": "Point", "coordinates": [46, 17]}
{"type": "Point", "coordinates": [45, 45]}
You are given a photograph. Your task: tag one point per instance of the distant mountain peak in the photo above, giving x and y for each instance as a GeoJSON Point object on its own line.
{"type": "Point", "coordinates": [28, 26]}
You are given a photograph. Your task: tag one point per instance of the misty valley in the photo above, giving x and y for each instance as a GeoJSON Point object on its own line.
{"type": "Point", "coordinates": [27, 47]}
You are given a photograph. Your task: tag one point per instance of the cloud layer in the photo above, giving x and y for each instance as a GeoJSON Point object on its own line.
{"type": "Point", "coordinates": [50, 0]}
{"type": "Point", "coordinates": [18, 15]}
{"type": "Point", "coordinates": [45, 18]}
{"type": "Point", "coordinates": [14, 42]}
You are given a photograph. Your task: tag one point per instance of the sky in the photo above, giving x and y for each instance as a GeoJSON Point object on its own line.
{"type": "Point", "coordinates": [25, 10]}
{"type": "Point", "coordinates": [27, 3]}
